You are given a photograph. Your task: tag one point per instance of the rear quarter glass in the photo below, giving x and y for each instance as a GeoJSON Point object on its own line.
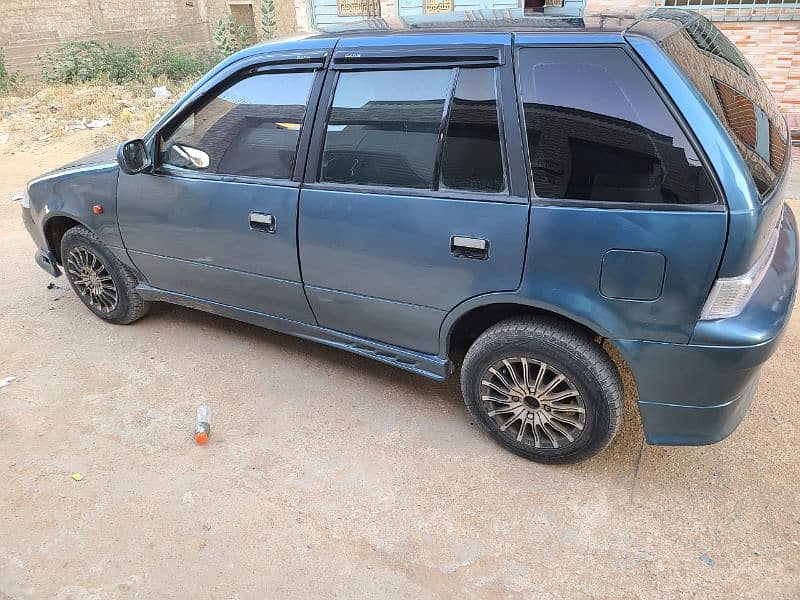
{"type": "Point", "coordinates": [737, 95]}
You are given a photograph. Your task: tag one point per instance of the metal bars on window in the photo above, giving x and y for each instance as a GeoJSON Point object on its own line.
{"type": "Point", "coordinates": [739, 10]}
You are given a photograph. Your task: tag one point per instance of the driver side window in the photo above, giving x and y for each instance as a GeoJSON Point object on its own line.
{"type": "Point", "coordinates": [250, 129]}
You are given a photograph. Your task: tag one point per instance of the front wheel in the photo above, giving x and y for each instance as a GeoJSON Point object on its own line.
{"type": "Point", "coordinates": [101, 281]}
{"type": "Point", "coordinates": [543, 389]}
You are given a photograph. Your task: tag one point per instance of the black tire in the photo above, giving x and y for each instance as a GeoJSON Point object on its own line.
{"type": "Point", "coordinates": [128, 306]}
{"type": "Point", "coordinates": [590, 411]}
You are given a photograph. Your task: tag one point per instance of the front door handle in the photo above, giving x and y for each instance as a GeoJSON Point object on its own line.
{"type": "Point", "coordinates": [262, 222]}
{"type": "Point", "coordinates": [469, 247]}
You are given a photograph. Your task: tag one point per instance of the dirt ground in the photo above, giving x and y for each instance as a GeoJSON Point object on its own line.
{"type": "Point", "coordinates": [329, 475]}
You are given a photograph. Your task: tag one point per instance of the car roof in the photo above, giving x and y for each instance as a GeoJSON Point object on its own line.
{"type": "Point", "coordinates": [483, 26]}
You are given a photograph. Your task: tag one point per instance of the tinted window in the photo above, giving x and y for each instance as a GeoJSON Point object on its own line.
{"type": "Point", "coordinates": [735, 92]}
{"type": "Point", "coordinates": [597, 130]}
{"type": "Point", "coordinates": [383, 128]}
{"type": "Point", "coordinates": [472, 158]}
{"type": "Point", "coordinates": [251, 129]}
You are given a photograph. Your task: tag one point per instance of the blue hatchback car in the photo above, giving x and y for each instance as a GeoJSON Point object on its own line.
{"type": "Point", "coordinates": [519, 198]}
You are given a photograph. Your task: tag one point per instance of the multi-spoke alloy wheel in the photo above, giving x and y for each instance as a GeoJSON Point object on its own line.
{"type": "Point", "coordinates": [105, 285]}
{"type": "Point", "coordinates": [543, 388]}
{"type": "Point", "coordinates": [533, 402]}
{"type": "Point", "coordinates": [92, 279]}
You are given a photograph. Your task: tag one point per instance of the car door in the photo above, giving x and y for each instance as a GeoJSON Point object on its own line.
{"type": "Point", "coordinates": [216, 218]}
{"type": "Point", "coordinates": [408, 208]}
{"type": "Point", "coordinates": [627, 223]}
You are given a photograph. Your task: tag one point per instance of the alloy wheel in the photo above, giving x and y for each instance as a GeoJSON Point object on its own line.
{"type": "Point", "coordinates": [533, 403]}
{"type": "Point", "coordinates": [92, 279]}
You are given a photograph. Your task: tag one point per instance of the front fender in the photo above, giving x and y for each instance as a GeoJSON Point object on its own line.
{"type": "Point", "coordinates": [72, 193]}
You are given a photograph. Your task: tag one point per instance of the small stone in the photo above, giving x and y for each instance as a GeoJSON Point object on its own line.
{"type": "Point", "coordinates": [187, 498]}
{"type": "Point", "coordinates": [3, 139]}
{"type": "Point", "coordinates": [707, 559]}
{"type": "Point", "coordinates": [161, 92]}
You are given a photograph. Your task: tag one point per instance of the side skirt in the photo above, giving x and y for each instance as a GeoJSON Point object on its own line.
{"type": "Point", "coordinates": [427, 365]}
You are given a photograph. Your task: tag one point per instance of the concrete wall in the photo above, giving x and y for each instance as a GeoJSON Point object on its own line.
{"type": "Point", "coordinates": [27, 29]}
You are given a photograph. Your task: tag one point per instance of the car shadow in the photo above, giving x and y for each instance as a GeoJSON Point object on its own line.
{"type": "Point", "coordinates": [448, 391]}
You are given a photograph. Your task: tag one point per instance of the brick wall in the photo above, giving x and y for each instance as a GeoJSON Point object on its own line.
{"type": "Point", "coordinates": [774, 50]}
{"type": "Point", "coordinates": [27, 29]}
{"type": "Point", "coordinates": [773, 47]}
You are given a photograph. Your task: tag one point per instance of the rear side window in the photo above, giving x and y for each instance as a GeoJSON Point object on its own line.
{"type": "Point", "coordinates": [251, 129]}
{"type": "Point", "coordinates": [597, 130]}
{"type": "Point", "coordinates": [384, 130]}
{"type": "Point", "coordinates": [735, 92]}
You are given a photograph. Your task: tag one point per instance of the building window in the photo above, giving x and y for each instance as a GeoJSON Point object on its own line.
{"type": "Point", "coordinates": [739, 10]}
{"type": "Point", "coordinates": [538, 6]}
{"type": "Point", "coordinates": [358, 8]}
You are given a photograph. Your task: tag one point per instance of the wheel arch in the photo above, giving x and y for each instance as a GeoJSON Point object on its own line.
{"type": "Point", "coordinates": [483, 309]}
{"type": "Point", "coordinates": [468, 320]}
{"type": "Point", "coordinates": [54, 228]}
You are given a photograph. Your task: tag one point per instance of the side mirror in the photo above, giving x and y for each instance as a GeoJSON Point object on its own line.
{"type": "Point", "coordinates": [133, 157]}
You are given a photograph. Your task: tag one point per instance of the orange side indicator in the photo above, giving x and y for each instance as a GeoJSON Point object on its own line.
{"type": "Point", "coordinates": [97, 209]}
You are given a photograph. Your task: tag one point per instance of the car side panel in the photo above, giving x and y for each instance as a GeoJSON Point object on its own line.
{"type": "Point", "coordinates": [73, 193]}
{"type": "Point", "coordinates": [565, 255]}
{"type": "Point", "coordinates": [192, 236]}
{"type": "Point", "coordinates": [381, 266]}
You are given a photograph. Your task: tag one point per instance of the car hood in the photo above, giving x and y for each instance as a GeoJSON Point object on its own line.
{"type": "Point", "coordinates": [107, 156]}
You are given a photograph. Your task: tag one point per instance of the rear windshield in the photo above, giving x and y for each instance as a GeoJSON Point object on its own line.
{"type": "Point", "coordinates": [734, 91]}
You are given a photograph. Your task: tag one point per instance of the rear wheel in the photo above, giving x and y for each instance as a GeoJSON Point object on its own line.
{"type": "Point", "coordinates": [101, 281]}
{"type": "Point", "coordinates": [543, 389]}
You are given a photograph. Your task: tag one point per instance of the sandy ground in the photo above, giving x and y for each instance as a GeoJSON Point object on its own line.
{"type": "Point", "coordinates": [330, 475]}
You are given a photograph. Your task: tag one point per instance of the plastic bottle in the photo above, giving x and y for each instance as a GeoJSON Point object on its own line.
{"type": "Point", "coordinates": [202, 429]}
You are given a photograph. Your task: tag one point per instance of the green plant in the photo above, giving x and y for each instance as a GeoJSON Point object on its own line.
{"type": "Point", "coordinates": [73, 62]}
{"type": "Point", "coordinates": [230, 37]}
{"type": "Point", "coordinates": [269, 24]}
{"type": "Point", "coordinates": [159, 59]}
{"type": "Point", "coordinates": [78, 62]}
{"type": "Point", "coordinates": [8, 79]}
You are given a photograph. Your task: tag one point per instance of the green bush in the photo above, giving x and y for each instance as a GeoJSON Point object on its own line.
{"type": "Point", "coordinates": [159, 59]}
{"type": "Point", "coordinates": [77, 62]}
{"type": "Point", "coordinates": [8, 80]}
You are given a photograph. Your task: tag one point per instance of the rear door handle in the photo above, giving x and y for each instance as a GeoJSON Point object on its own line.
{"type": "Point", "coordinates": [469, 247]}
{"type": "Point", "coordinates": [262, 222]}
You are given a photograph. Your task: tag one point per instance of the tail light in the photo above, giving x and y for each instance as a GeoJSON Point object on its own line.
{"type": "Point", "coordinates": [730, 295]}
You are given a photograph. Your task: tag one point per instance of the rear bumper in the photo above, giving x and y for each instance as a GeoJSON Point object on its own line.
{"type": "Point", "coordinates": [676, 425]}
{"type": "Point", "coordinates": [698, 393]}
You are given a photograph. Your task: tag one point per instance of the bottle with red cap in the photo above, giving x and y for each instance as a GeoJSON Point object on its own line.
{"type": "Point", "coordinates": [202, 429]}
